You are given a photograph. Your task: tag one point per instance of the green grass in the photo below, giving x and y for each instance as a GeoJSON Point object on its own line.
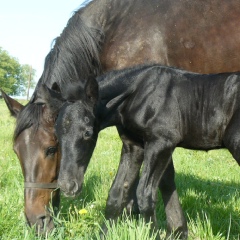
{"type": "Point", "coordinates": [208, 185]}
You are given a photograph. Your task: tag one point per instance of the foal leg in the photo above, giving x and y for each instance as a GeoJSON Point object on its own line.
{"type": "Point", "coordinates": [176, 222]}
{"type": "Point", "coordinates": [157, 157]}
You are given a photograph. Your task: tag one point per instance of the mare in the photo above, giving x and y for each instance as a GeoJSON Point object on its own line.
{"type": "Point", "coordinates": [201, 36]}
{"type": "Point", "coordinates": [156, 115]}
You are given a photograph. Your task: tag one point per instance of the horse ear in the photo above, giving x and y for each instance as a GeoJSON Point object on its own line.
{"type": "Point", "coordinates": [91, 90]}
{"type": "Point", "coordinates": [56, 87]}
{"type": "Point", "coordinates": [14, 106]}
{"type": "Point", "coordinates": [52, 99]}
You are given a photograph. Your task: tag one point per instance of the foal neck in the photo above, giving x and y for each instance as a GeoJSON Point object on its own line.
{"type": "Point", "coordinates": [115, 87]}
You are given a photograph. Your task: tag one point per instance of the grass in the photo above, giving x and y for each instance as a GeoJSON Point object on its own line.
{"type": "Point", "coordinates": [208, 185]}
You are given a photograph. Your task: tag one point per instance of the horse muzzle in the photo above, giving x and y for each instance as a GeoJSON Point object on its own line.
{"type": "Point", "coordinates": [42, 223]}
{"type": "Point", "coordinates": [70, 188]}
{"type": "Point", "coordinates": [38, 196]}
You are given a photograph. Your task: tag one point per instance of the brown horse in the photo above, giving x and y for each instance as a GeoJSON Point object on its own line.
{"type": "Point", "coordinates": [39, 164]}
{"type": "Point", "coordinates": [200, 36]}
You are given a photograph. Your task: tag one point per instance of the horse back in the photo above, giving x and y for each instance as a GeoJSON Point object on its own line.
{"type": "Point", "coordinates": [200, 36]}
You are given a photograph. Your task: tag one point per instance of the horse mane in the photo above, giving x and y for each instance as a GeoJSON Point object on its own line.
{"type": "Point", "coordinates": [74, 56]}
{"type": "Point", "coordinates": [75, 53]}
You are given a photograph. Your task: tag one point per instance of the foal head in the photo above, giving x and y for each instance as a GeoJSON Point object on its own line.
{"type": "Point", "coordinates": [37, 149]}
{"type": "Point", "coordinates": [77, 130]}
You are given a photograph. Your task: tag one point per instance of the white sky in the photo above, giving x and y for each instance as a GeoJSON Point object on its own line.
{"type": "Point", "coordinates": [28, 27]}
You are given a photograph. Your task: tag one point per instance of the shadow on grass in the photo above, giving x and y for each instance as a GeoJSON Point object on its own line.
{"type": "Point", "coordinates": [200, 198]}
{"type": "Point", "coordinates": [218, 201]}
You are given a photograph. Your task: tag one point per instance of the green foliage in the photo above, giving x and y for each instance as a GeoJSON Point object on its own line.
{"type": "Point", "coordinates": [208, 184]}
{"type": "Point", "coordinates": [14, 76]}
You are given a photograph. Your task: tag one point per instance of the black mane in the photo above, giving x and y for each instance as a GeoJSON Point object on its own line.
{"type": "Point", "coordinates": [74, 56]}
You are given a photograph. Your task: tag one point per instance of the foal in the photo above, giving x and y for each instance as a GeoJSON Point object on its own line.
{"type": "Point", "coordinates": [158, 108]}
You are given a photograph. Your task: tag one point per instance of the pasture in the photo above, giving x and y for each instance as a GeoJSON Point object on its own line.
{"type": "Point", "coordinates": [208, 185]}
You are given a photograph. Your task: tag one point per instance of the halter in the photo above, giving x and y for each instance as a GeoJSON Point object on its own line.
{"type": "Point", "coordinates": [53, 185]}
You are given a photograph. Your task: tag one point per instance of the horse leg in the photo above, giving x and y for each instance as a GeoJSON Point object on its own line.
{"type": "Point", "coordinates": [157, 157]}
{"type": "Point", "coordinates": [231, 137]}
{"type": "Point", "coordinates": [122, 190]}
{"type": "Point", "coordinates": [132, 205]}
{"type": "Point", "coordinates": [176, 222]}
{"type": "Point", "coordinates": [121, 193]}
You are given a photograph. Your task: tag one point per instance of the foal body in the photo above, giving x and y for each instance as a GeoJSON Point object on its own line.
{"type": "Point", "coordinates": [183, 109]}
{"type": "Point", "coordinates": [157, 108]}
{"type": "Point", "coordinates": [161, 108]}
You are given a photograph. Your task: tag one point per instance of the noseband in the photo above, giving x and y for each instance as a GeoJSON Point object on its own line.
{"type": "Point", "coordinates": [41, 185]}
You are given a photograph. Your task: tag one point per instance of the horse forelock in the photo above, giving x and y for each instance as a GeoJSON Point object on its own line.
{"type": "Point", "coordinates": [30, 116]}
{"type": "Point", "coordinates": [75, 54]}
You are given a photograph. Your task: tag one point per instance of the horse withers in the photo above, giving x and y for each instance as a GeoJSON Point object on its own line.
{"type": "Point", "coordinates": [156, 115]}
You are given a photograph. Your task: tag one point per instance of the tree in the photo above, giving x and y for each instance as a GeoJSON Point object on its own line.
{"type": "Point", "coordinates": [14, 77]}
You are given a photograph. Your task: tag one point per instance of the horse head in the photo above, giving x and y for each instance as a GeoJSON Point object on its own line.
{"type": "Point", "coordinates": [37, 149]}
{"type": "Point", "coordinates": [77, 130]}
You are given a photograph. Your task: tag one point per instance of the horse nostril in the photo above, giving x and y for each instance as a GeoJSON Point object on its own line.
{"type": "Point", "coordinates": [72, 187]}
{"type": "Point", "coordinates": [69, 188]}
{"type": "Point", "coordinates": [76, 187]}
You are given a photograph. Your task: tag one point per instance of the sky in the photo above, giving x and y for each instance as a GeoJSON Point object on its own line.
{"type": "Point", "coordinates": [28, 27]}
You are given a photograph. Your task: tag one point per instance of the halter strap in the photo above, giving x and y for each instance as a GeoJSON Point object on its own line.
{"type": "Point", "coordinates": [41, 185]}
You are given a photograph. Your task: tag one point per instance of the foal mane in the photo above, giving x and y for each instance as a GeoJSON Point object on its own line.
{"type": "Point", "coordinates": [74, 56]}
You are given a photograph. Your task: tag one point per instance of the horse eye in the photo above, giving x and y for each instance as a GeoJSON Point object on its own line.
{"type": "Point", "coordinates": [51, 151]}
{"type": "Point", "coordinates": [88, 134]}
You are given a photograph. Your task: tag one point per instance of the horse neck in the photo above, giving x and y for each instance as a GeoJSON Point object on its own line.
{"type": "Point", "coordinates": [102, 13]}
{"type": "Point", "coordinates": [75, 54]}
{"type": "Point", "coordinates": [94, 14]}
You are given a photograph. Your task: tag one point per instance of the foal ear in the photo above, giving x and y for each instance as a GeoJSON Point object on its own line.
{"type": "Point", "coordinates": [14, 106]}
{"type": "Point", "coordinates": [91, 90]}
{"type": "Point", "coordinates": [52, 99]}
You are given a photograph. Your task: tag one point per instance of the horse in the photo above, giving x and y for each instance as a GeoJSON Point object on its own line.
{"type": "Point", "coordinates": [109, 34]}
{"type": "Point", "coordinates": [39, 165]}
{"type": "Point", "coordinates": [156, 115]}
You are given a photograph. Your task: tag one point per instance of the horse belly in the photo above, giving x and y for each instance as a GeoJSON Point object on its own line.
{"type": "Point", "coordinates": [200, 141]}
{"type": "Point", "coordinates": [205, 133]}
